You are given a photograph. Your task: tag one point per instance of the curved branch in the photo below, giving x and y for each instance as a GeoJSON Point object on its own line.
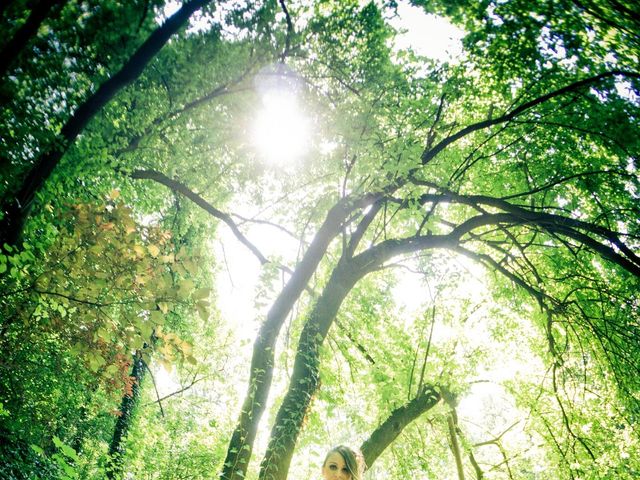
{"type": "Point", "coordinates": [554, 224]}
{"type": "Point", "coordinates": [429, 154]}
{"type": "Point", "coordinates": [290, 31]}
{"type": "Point", "coordinates": [402, 416]}
{"type": "Point", "coordinates": [201, 202]}
{"type": "Point", "coordinates": [18, 42]}
{"type": "Point", "coordinates": [16, 208]}
{"type": "Point", "coordinates": [486, 259]}
{"type": "Point", "coordinates": [559, 181]}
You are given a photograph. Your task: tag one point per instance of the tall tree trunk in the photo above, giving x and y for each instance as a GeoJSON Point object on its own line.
{"type": "Point", "coordinates": [123, 424]}
{"type": "Point", "coordinates": [241, 443]}
{"type": "Point", "coordinates": [16, 207]}
{"type": "Point", "coordinates": [16, 44]}
{"type": "Point", "coordinates": [304, 378]}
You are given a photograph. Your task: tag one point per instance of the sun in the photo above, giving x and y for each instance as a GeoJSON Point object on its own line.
{"type": "Point", "coordinates": [280, 132]}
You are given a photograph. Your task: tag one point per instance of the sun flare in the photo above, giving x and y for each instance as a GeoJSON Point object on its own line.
{"type": "Point", "coordinates": [280, 131]}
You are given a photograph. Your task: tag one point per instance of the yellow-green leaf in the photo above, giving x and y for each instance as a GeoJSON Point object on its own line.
{"type": "Point", "coordinates": [153, 250]}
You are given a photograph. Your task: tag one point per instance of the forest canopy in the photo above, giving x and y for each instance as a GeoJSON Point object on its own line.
{"type": "Point", "coordinates": [234, 235]}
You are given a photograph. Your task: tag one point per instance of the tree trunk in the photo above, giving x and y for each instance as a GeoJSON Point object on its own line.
{"type": "Point", "coordinates": [127, 410]}
{"type": "Point", "coordinates": [16, 207]}
{"type": "Point", "coordinates": [305, 376]}
{"type": "Point", "coordinates": [241, 443]}
{"type": "Point", "coordinates": [304, 379]}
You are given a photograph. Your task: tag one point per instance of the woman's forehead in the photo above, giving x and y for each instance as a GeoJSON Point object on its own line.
{"type": "Point", "coordinates": [335, 457]}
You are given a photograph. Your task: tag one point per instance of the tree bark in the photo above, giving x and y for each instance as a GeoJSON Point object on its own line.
{"type": "Point", "coordinates": [16, 207]}
{"type": "Point", "coordinates": [241, 443]}
{"type": "Point", "coordinates": [455, 446]}
{"type": "Point", "coordinates": [123, 424]}
{"type": "Point", "coordinates": [402, 416]}
{"type": "Point", "coordinates": [305, 376]}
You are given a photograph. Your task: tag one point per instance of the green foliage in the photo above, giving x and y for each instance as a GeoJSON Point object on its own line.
{"type": "Point", "coordinates": [74, 316]}
{"type": "Point", "coordinates": [535, 299]}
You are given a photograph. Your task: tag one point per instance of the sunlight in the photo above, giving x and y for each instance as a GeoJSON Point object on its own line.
{"type": "Point", "coordinates": [280, 131]}
{"type": "Point", "coordinates": [165, 381]}
{"type": "Point", "coordinates": [426, 34]}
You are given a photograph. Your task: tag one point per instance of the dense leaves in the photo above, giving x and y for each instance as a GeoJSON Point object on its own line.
{"type": "Point", "coordinates": [447, 278]}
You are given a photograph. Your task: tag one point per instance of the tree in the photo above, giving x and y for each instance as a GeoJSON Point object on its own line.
{"type": "Point", "coordinates": [520, 158]}
{"type": "Point", "coordinates": [535, 221]}
{"type": "Point", "coordinates": [17, 204]}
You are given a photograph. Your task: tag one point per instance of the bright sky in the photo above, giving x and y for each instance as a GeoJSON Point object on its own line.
{"type": "Point", "coordinates": [426, 34]}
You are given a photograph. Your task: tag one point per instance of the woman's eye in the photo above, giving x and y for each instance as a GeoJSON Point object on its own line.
{"type": "Point", "coordinates": [333, 467]}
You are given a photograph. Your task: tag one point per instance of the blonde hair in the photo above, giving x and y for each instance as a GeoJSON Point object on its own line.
{"type": "Point", "coordinates": [353, 459]}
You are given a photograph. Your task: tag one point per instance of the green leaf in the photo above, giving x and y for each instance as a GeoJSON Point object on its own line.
{"type": "Point", "coordinates": [201, 293]}
{"type": "Point", "coordinates": [37, 449]}
{"type": "Point", "coordinates": [157, 317]}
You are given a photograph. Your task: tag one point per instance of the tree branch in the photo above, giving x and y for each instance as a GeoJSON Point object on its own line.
{"type": "Point", "coordinates": [178, 392]}
{"type": "Point", "coordinates": [429, 154]}
{"type": "Point", "coordinates": [202, 203]}
{"type": "Point", "coordinates": [554, 224]}
{"type": "Point", "coordinates": [155, 387]}
{"type": "Point", "coordinates": [16, 208]}
{"type": "Point", "coordinates": [402, 416]}
{"type": "Point", "coordinates": [290, 31]}
{"type": "Point", "coordinates": [18, 42]}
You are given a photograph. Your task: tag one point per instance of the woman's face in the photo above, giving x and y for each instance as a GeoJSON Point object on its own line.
{"type": "Point", "coordinates": [335, 468]}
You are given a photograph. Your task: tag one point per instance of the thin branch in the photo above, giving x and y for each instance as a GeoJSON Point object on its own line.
{"type": "Point", "coordinates": [455, 446]}
{"type": "Point", "coordinates": [265, 222]}
{"type": "Point", "coordinates": [431, 136]}
{"type": "Point", "coordinates": [155, 387]}
{"type": "Point", "coordinates": [83, 301]}
{"type": "Point", "coordinates": [426, 353]}
{"type": "Point", "coordinates": [290, 31]}
{"type": "Point", "coordinates": [202, 203]}
{"type": "Point", "coordinates": [355, 342]}
{"type": "Point", "coordinates": [566, 179]}
{"type": "Point", "coordinates": [178, 392]}
{"type": "Point", "coordinates": [497, 438]}
{"type": "Point", "coordinates": [429, 154]}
